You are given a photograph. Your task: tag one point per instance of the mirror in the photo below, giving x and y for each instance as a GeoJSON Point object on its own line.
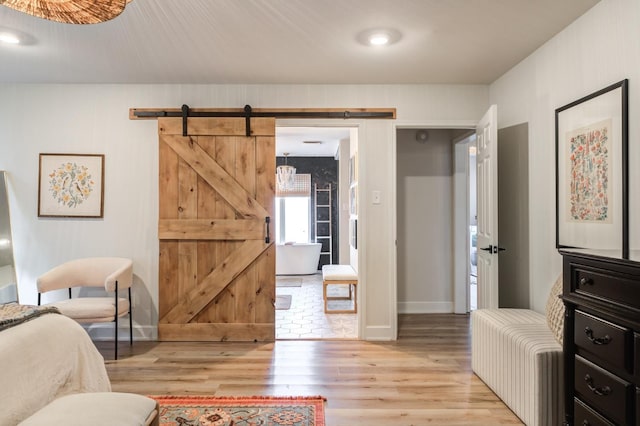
{"type": "Point", "coordinates": [8, 282]}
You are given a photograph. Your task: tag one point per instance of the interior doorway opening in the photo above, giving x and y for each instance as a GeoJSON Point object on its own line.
{"type": "Point", "coordinates": [427, 213]}
{"type": "Point", "coordinates": [315, 221]}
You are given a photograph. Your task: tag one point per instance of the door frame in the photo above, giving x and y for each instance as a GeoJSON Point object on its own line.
{"type": "Point", "coordinates": [352, 124]}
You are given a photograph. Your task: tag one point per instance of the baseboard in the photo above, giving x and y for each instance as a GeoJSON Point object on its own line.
{"type": "Point", "coordinates": [104, 332]}
{"type": "Point", "coordinates": [425, 307]}
{"type": "Point", "coordinates": [381, 333]}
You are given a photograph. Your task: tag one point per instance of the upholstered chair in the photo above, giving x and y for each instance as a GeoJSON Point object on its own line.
{"type": "Point", "coordinates": [114, 274]}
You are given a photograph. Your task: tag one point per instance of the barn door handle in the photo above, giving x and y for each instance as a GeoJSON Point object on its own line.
{"type": "Point", "coordinates": [267, 221]}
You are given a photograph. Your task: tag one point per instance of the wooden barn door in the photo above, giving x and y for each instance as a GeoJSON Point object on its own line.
{"type": "Point", "coordinates": [217, 272]}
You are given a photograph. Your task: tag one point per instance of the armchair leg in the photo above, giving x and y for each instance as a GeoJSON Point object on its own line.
{"type": "Point", "coordinates": [115, 337]}
{"type": "Point", "coordinates": [130, 321]}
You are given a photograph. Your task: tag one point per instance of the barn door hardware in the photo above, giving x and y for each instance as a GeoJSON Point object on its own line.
{"type": "Point", "coordinates": [267, 221]}
{"type": "Point", "coordinates": [247, 125]}
{"type": "Point", "coordinates": [185, 114]}
{"type": "Point", "coordinates": [248, 112]}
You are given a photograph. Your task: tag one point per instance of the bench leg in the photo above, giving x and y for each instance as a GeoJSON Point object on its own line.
{"type": "Point", "coordinates": [352, 296]}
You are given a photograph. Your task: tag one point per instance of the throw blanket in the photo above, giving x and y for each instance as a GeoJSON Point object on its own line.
{"type": "Point", "coordinates": [12, 314]}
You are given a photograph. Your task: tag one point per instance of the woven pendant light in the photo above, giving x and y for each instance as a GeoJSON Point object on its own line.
{"type": "Point", "coordinates": [70, 11]}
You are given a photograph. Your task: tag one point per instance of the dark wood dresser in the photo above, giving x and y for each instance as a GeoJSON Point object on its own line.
{"type": "Point", "coordinates": [601, 340]}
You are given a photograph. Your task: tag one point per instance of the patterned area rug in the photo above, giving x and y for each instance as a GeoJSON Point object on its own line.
{"type": "Point", "coordinates": [240, 411]}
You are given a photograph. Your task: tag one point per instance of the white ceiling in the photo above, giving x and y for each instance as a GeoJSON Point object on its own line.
{"type": "Point", "coordinates": [292, 140]}
{"type": "Point", "coordinates": [287, 41]}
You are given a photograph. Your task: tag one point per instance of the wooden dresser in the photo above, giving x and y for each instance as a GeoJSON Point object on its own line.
{"type": "Point", "coordinates": [601, 340]}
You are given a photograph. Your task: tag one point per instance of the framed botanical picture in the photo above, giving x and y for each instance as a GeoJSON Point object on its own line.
{"type": "Point", "coordinates": [71, 185]}
{"type": "Point", "coordinates": [591, 171]}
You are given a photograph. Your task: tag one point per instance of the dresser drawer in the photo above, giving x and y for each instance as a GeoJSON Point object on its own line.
{"type": "Point", "coordinates": [605, 340]}
{"type": "Point", "coordinates": [585, 416]}
{"type": "Point", "coordinates": [605, 392]}
{"type": "Point", "coordinates": [606, 285]}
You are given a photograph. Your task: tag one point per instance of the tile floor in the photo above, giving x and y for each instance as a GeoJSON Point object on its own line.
{"type": "Point", "coordinates": [306, 318]}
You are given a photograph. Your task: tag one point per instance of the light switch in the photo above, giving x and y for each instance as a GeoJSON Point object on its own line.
{"type": "Point", "coordinates": [375, 195]}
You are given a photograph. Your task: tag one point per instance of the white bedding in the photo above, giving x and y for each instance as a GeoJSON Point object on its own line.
{"type": "Point", "coordinates": [43, 359]}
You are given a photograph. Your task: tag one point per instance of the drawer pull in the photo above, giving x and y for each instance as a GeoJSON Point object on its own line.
{"type": "Point", "coordinates": [586, 281]}
{"type": "Point", "coordinates": [597, 340]}
{"type": "Point", "coordinates": [603, 391]}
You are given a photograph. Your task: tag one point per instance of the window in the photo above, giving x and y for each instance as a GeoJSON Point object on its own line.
{"type": "Point", "coordinates": [292, 219]}
{"type": "Point", "coordinates": [293, 208]}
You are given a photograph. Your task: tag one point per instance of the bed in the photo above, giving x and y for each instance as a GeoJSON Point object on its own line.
{"type": "Point", "coordinates": [44, 355]}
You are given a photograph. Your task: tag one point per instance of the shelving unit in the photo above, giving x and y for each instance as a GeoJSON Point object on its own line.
{"type": "Point", "coordinates": [323, 210]}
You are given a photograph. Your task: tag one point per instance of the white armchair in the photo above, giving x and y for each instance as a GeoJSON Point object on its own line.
{"type": "Point", "coordinates": [111, 273]}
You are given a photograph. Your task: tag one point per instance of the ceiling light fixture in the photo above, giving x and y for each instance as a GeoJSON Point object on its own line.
{"type": "Point", "coordinates": [9, 38]}
{"type": "Point", "coordinates": [285, 175]}
{"type": "Point", "coordinates": [378, 37]}
{"type": "Point", "coordinates": [70, 11]}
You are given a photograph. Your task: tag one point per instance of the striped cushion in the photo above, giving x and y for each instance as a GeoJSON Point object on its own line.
{"type": "Point", "coordinates": [520, 362]}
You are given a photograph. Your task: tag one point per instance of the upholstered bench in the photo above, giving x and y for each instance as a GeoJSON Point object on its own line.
{"type": "Point", "coordinates": [97, 409]}
{"type": "Point", "coordinates": [339, 275]}
{"type": "Point", "coordinates": [517, 354]}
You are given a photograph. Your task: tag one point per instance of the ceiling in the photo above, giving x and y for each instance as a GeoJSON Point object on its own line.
{"type": "Point", "coordinates": [324, 141]}
{"type": "Point", "coordinates": [287, 42]}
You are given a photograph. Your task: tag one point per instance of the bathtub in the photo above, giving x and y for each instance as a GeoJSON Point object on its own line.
{"type": "Point", "coordinates": [297, 259]}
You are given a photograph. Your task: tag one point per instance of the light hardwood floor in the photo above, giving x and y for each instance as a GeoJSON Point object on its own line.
{"type": "Point", "coordinates": [423, 378]}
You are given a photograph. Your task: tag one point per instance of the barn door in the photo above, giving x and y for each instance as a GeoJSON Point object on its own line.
{"type": "Point", "coordinates": [217, 270]}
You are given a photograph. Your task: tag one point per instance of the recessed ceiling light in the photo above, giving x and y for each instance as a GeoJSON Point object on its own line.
{"type": "Point", "coordinates": [9, 38]}
{"type": "Point", "coordinates": [378, 37]}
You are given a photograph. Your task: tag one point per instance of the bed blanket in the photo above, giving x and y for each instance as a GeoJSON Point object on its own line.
{"type": "Point", "coordinates": [45, 358]}
{"type": "Point", "coordinates": [12, 314]}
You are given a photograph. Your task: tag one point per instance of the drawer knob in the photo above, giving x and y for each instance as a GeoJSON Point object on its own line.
{"type": "Point", "coordinates": [603, 391]}
{"type": "Point", "coordinates": [586, 423]}
{"type": "Point", "coordinates": [596, 340]}
{"type": "Point", "coordinates": [586, 281]}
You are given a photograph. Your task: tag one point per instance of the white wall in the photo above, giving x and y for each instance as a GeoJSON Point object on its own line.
{"type": "Point", "coordinates": [425, 222]}
{"type": "Point", "coordinates": [600, 48]}
{"type": "Point", "coordinates": [94, 119]}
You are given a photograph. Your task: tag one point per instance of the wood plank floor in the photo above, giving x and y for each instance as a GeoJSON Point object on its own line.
{"type": "Point", "coordinates": [424, 378]}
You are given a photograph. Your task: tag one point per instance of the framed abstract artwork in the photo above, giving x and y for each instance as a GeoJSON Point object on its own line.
{"type": "Point", "coordinates": [71, 185]}
{"type": "Point", "coordinates": [591, 171]}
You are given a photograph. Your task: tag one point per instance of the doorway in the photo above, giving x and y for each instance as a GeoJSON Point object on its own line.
{"type": "Point", "coordinates": [426, 213]}
{"type": "Point", "coordinates": [322, 155]}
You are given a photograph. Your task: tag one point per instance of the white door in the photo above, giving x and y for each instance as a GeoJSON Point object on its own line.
{"type": "Point", "coordinates": [487, 181]}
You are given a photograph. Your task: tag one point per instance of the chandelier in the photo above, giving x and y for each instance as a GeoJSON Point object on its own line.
{"type": "Point", "coordinates": [285, 175]}
{"type": "Point", "coordinates": [70, 11]}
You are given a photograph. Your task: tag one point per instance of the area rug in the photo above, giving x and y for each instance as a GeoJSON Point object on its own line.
{"type": "Point", "coordinates": [283, 301]}
{"type": "Point", "coordinates": [240, 411]}
{"type": "Point", "coordinates": [288, 281]}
